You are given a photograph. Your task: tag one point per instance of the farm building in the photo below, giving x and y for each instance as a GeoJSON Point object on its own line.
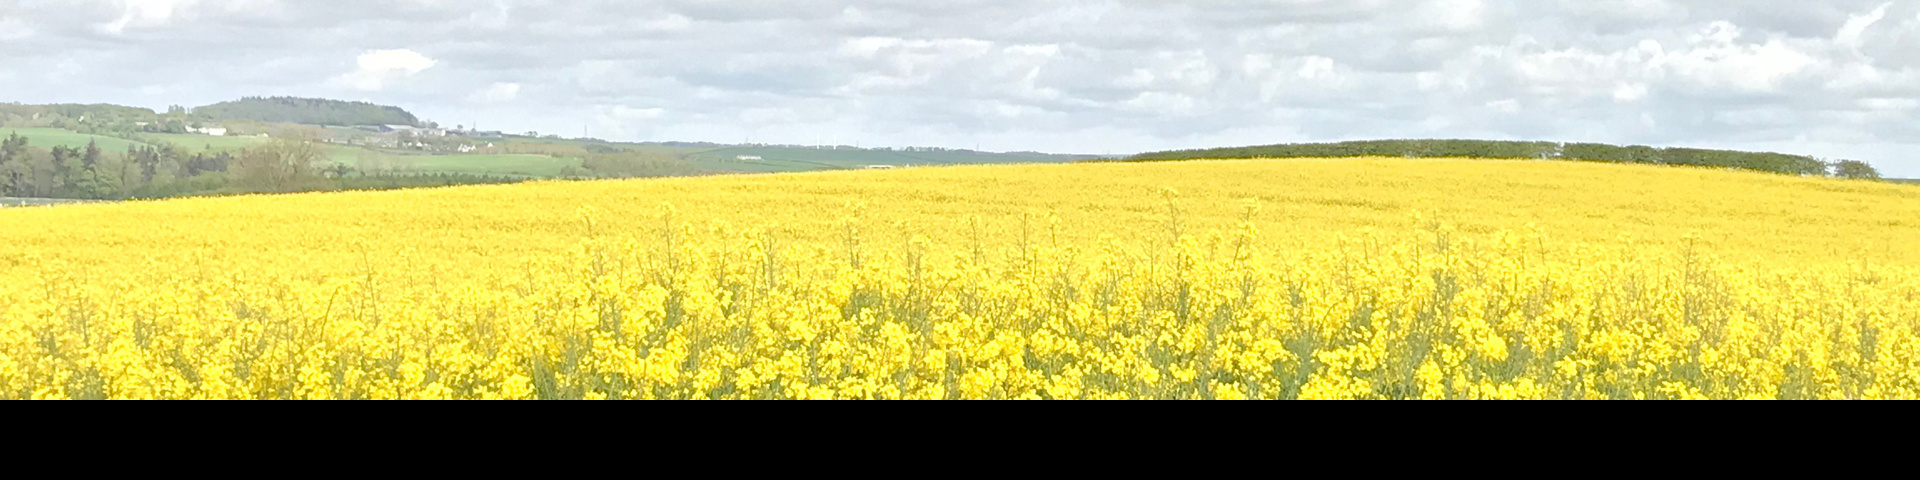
{"type": "Point", "coordinates": [748, 158]}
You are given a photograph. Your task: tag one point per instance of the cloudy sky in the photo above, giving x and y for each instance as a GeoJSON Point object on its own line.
{"type": "Point", "coordinates": [1830, 78]}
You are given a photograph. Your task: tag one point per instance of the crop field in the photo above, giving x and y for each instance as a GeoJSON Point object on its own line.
{"type": "Point", "coordinates": [1300, 279]}
{"type": "Point", "coordinates": [54, 137]}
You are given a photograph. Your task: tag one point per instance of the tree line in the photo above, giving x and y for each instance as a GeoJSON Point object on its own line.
{"type": "Point", "coordinates": [1756, 161]}
{"type": "Point", "coordinates": [285, 165]}
{"type": "Point", "coordinates": [94, 174]}
{"type": "Point", "coordinates": [146, 171]}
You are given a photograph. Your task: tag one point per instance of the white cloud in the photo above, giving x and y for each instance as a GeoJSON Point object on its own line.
{"type": "Point", "coordinates": [145, 13]}
{"type": "Point", "coordinates": [670, 23]}
{"type": "Point", "coordinates": [1629, 92]}
{"type": "Point", "coordinates": [1316, 68]}
{"type": "Point", "coordinates": [498, 92]}
{"type": "Point", "coordinates": [1453, 14]}
{"type": "Point", "coordinates": [14, 29]}
{"type": "Point", "coordinates": [1716, 60]}
{"type": "Point", "coordinates": [1857, 25]}
{"type": "Point", "coordinates": [377, 68]}
{"type": "Point", "coordinates": [1163, 103]}
{"type": "Point", "coordinates": [135, 14]}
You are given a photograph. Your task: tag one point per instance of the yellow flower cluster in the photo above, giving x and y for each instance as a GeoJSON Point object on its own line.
{"type": "Point", "coordinates": [1354, 279]}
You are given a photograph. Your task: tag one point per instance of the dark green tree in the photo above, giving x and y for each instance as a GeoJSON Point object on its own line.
{"type": "Point", "coordinates": [64, 181]}
{"type": "Point", "coordinates": [16, 169]}
{"type": "Point", "coordinates": [90, 159]}
{"type": "Point", "coordinates": [1855, 169]}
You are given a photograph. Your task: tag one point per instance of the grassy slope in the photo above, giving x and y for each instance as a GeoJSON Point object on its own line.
{"type": "Point", "coordinates": [1307, 202]}
{"type": "Point", "coordinates": [639, 147]}
{"type": "Point", "coordinates": [52, 137]}
{"type": "Point", "coordinates": [514, 165]}
{"type": "Point", "coordinates": [200, 143]}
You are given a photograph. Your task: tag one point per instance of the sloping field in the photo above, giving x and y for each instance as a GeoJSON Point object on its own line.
{"type": "Point", "coordinates": [486, 164]}
{"type": "Point", "coordinates": [206, 143]}
{"type": "Point", "coordinates": [1367, 278]}
{"type": "Point", "coordinates": [542, 166]}
{"type": "Point", "coordinates": [53, 137]}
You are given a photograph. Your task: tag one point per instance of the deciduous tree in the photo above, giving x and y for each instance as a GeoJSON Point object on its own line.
{"type": "Point", "coordinates": [286, 165]}
{"type": "Point", "coordinates": [1855, 169]}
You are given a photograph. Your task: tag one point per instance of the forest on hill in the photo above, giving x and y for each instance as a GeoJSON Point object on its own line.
{"type": "Point", "coordinates": [1758, 161]}
{"type": "Point", "coordinates": [252, 114]}
{"type": "Point", "coordinates": [307, 111]}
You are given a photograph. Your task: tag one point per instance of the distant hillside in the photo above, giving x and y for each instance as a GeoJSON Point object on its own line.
{"type": "Point", "coordinates": [90, 118]}
{"type": "Point", "coordinates": [307, 111]}
{"type": "Point", "coordinates": [1766, 162]}
{"type": "Point", "coordinates": [799, 158]}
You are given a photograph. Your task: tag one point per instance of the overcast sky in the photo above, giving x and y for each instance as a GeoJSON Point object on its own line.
{"type": "Point", "coordinates": [1830, 78]}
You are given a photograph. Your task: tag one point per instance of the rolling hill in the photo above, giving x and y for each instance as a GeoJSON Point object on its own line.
{"type": "Point", "coordinates": [307, 111]}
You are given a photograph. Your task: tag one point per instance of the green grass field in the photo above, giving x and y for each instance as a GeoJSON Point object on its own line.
{"type": "Point", "coordinates": [53, 137]}
{"type": "Point", "coordinates": [204, 143]}
{"type": "Point", "coordinates": [480, 164]}
{"type": "Point", "coordinates": [191, 144]}
{"type": "Point", "coordinates": [589, 144]}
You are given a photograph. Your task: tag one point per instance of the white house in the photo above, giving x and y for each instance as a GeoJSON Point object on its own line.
{"type": "Point", "coordinates": [748, 158]}
{"type": "Point", "coordinates": [210, 131]}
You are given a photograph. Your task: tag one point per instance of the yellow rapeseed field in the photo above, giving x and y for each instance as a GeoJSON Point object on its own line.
{"type": "Point", "coordinates": [1314, 279]}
